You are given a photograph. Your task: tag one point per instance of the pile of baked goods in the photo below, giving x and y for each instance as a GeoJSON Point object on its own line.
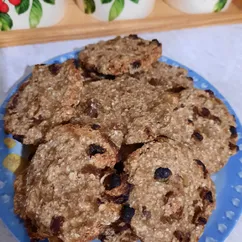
{"type": "Point", "coordinates": [125, 146]}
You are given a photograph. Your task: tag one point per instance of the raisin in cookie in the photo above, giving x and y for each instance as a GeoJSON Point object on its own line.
{"type": "Point", "coordinates": [172, 196]}
{"type": "Point", "coordinates": [203, 122]}
{"type": "Point", "coordinates": [46, 99]}
{"type": "Point", "coordinates": [61, 195]}
{"type": "Point", "coordinates": [120, 55]}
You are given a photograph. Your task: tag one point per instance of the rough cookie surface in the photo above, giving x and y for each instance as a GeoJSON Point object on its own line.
{"type": "Point", "coordinates": [172, 194]}
{"type": "Point", "coordinates": [128, 107]}
{"type": "Point", "coordinates": [120, 55]}
{"type": "Point", "coordinates": [46, 99]}
{"type": "Point", "coordinates": [62, 193]}
{"type": "Point", "coordinates": [203, 123]}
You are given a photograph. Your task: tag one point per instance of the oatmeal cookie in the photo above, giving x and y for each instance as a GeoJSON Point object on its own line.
{"type": "Point", "coordinates": [62, 194]}
{"type": "Point", "coordinates": [202, 122]}
{"type": "Point", "coordinates": [129, 54]}
{"type": "Point", "coordinates": [172, 196]}
{"type": "Point", "coordinates": [46, 99]}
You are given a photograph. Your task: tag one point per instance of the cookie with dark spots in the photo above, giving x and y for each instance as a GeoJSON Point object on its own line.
{"type": "Point", "coordinates": [120, 55]}
{"type": "Point", "coordinates": [126, 109]}
{"type": "Point", "coordinates": [60, 195]}
{"type": "Point", "coordinates": [204, 124]}
{"type": "Point", "coordinates": [48, 98]}
{"type": "Point", "coordinates": [171, 199]}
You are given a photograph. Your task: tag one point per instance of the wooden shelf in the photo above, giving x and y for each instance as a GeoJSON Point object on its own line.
{"type": "Point", "coordinates": [77, 25]}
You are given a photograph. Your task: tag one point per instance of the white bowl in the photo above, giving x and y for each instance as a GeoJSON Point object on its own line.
{"type": "Point", "coordinates": [199, 6]}
{"type": "Point", "coordinates": [37, 13]}
{"type": "Point", "coordinates": [109, 10]}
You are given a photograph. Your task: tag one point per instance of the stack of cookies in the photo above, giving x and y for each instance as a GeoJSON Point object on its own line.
{"type": "Point", "coordinates": [125, 146]}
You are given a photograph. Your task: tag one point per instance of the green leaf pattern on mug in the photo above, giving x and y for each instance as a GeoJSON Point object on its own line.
{"type": "Point", "coordinates": [90, 6]}
{"type": "Point", "coordinates": [220, 5]}
{"type": "Point", "coordinates": [116, 9]}
{"type": "Point", "coordinates": [50, 1]}
{"type": "Point", "coordinates": [22, 7]}
{"type": "Point", "coordinates": [106, 1]}
{"type": "Point", "coordinates": [36, 13]}
{"type": "Point", "coordinates": [6, 22]}
{"type": "Point", "coordinates": [135, 1]}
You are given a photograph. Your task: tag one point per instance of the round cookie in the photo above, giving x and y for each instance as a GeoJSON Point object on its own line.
{"type": "Point", "coordinates": [172, 195]}
{"type": "Point", "coordinates": [118, 56]}
{"type": "Point", "coordinates": [46, 99]}
{"type": "Point", "coordinates": [126, 108]}
{"type": "Point", "coordinates": [203, 123]}
{"type": "Point", "coordinates": [62, 193]}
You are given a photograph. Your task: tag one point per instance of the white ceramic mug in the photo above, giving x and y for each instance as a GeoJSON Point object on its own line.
{"type": "Point", "coordinates": [199, 6]}
{"type": "Point", "coordinates": [109, 10]}
{"type": "Point", "coordinates": [24, 14]}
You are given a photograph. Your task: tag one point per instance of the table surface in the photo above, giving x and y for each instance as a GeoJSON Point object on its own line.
{"type": "Point", "coordinates": [214, 52]}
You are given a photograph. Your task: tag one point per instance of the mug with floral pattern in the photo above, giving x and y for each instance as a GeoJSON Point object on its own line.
{"type": "Point", "coordinates": [109, 10]}
{"type": "Point", "coordinates": [24, 14]}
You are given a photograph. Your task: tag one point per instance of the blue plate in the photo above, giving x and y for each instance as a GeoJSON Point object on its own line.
{"type": "Point", "coordinates": [228, 181]}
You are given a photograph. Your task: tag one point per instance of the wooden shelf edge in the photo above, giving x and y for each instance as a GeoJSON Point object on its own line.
{"type": "Point", "coordinates": [98, 29]}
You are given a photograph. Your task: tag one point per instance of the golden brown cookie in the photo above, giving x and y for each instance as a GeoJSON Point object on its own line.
{"type": "Point", "coordinates": [46, 99]}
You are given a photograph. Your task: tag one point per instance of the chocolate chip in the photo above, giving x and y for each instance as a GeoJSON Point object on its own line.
{"type": "Point", "coordinates": [207, 195]}
{"type": "Point", "coordinates": [156, 42]}
{"type": "Point", "coordinates": [205, 112]}
{"type": "Point", "coordinates": [211, 93]}
{"type": "Point", "coordinates": [196, 135]}
{"type": "Point", "coordinates": [54, 69]}
{"type": "Point", "coordinates": [136, 64]}
{"type": "Point", "coordinates": [56, 224]}
{"type": "Point", "coordinates": [94, 149]}
{"type": "Point", "coordinates": [162, 174]}
{"type": "Point", "coordinates": [205, 171]}
{"type": "Point", "coordinates": [127, 213]}
{"type": "Point", "coordinates": [146, 213]}
{"type": "Point", "coordinates": [95, 126]}
{"type": "Point", "coordinates": [112, 181]}
{"type": "Point", "coordinates": [201, 221]}
{"type": "Point", "coordinates": [233, 147]}
{"type": "Point", "coordinates": [182, 237]}
{"type": "Point", "coordinates": [233, 132]}
{"type": "Point", "coordinates": [92, 107]}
